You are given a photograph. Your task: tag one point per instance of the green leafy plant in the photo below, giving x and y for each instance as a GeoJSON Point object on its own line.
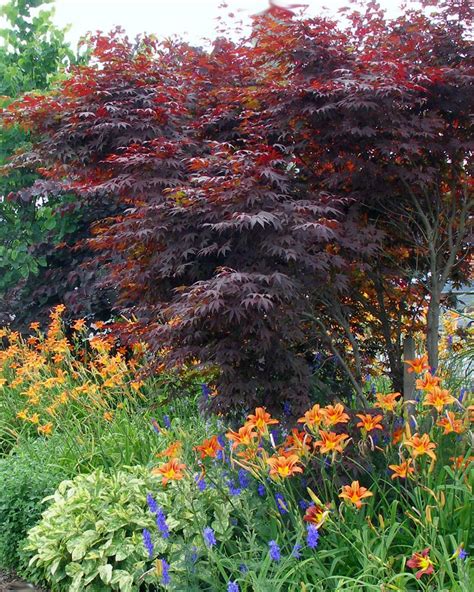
{"type": "Point", "coordinates": [26, 478]}
{"type": "Point", "coordinates": [91, 536]}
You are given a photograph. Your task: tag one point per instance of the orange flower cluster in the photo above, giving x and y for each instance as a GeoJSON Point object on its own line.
{"type": "Point", "coordinates": [434, 395]}
{"type": "Point", "coordinates": [329, 431]}
{"type": "Point", "coordinates": [418, 446]}
{"type": "Point", "coordinates": [288, 459]}
{"type": "Point", "coordinates": [438, 398]}
{"type": "Point", "coordinates": [47, 376]}
{"type": "Point", "coordinates": [323, 435]}
{"type": "Point", "coordinates": [245, 441]}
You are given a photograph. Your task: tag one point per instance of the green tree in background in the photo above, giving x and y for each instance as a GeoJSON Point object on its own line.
{"type": "Point", "coordinates": [32, 49]}
{"type": "Point", "coordinates": [33, 54]}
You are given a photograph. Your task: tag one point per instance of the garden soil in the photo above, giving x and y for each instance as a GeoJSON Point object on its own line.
{"type": "Point", "coordinates": [10, 583]}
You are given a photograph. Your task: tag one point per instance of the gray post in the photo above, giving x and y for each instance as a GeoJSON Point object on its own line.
{"type": "Point", "coordinates": [409, 378]}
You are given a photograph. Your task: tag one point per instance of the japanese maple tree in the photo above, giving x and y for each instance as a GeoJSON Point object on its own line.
{"type": "Point", "coordinates": [264, 200]}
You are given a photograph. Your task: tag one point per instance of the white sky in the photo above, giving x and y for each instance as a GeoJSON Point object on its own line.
{"type": "Point", "coordinates": [191, 19]}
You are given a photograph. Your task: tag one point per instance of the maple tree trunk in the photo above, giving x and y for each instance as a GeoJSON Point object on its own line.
{"type": "Point", "coordinates": [394, 353]}
{"type": "Point", "coordinates": [432, 328]}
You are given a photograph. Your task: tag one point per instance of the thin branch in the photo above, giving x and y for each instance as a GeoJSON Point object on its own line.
{"type": "Point", "coordinates": [338, 355]}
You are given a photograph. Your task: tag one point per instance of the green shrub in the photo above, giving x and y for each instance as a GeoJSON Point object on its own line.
{"type": "Point", "coordinates": [91, 536]}
{"type": "Point", "coordinates": [26, 479]}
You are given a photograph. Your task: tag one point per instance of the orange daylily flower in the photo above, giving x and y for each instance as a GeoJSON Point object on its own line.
{"type": "Point", "coordinates": [79, 324]}
{"type": "Point", "coordinates": [297, 440]}
{"type": "Point", "coordinates": [209, 448]}
{"type": "Point", "coordinates": [244, 436]}
{"type": "Point", "coordinates": [34, 418]}
{"type": "Point", "coordinates": [397, 435]}
{"type": "Point", "coordinates": [136, 385]}
{"type": "Point", "coordinates": [354, 493]}
{"type": "Point", "coordinates": [58, 358]}
{"type": "Point", "coordinates": [331, 442]}
{"type": "Point", "coordinates": [421, 560]}
{"type": "Point", "coordinates": [45, 429]}
{"type": "Point", "coordinates": [438, 398]}
{"type": "Point", "coordinates": [470, 413]}
{"type": "Point", "coordinates": [313, 417]}
{"type": "Point", "coordinates": [451, 423]}
{"type": "Point", "coordinates": [284, 466]}
{"type": "Point", "coordinates": [421, 445]}
{"type": "Point", "coordinates": [14, 336]}
{"type": "Point", "coordinates": [261, 420]}
{"type": "Point", "coordinates": [172, 451]}
{"type": "Point", "coordinates": [427, 382]}
{"type": "Point", "coordinates": [57, 310]}
{"type": "Point", "coordinates": [418, 365]}
{"type": "Point", "coordinates": [461, 462]}
{"type": "Point", "coordinates": [387, 402]}
{"type": "Point", "coordinates": [334, 414]}
{"type": "Point", "coordinates": [248, 454]}
{"type": "Point", "coordinates": [369, 422]}
{"type": "Point", "coordinates": [403, 470]}
{"type": "Point", "coordinates": [316, 514]}
{"type": "Point", "coordinates": [170, 471]}
{"type": "Point", "coordinates": [23, 415]}
{"type": "Point", "coordinates": [108, 416]}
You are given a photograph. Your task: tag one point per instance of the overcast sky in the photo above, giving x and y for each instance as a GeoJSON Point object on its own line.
{"type": "Point", "coordinates": [193, 19]}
